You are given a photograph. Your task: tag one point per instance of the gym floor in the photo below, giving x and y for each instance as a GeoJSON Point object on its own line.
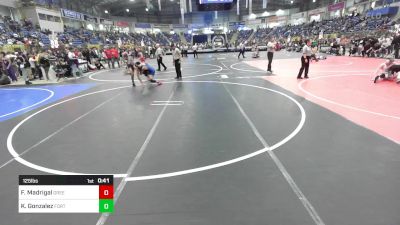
{"type": "Point", "coordinates": [229, 144]}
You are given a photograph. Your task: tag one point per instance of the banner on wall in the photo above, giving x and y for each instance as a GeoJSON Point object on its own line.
{"type": "Point", "coordinates": [383, 11]}
{"type": "Point", "coordinates": [106, 22]}
{"type": "Point", "coordinates": [180, 26]}
{"type": "Point", "coordinates": [337, 6]}
{"type": "Point", "coordinates": [122, 24]}
{"type": "Point", "coordinates": [216, 25]}
{"type": "Point", "coordinates": [276, 19]}
{"type": "Point", "coordinates": [93, 46]}
{"type": "Point", "coordinates": [253, 22]}
{"type": "Point", "coordinates": [161, 26]}
{"type": "Point", "coordinates": [71, 14]}
{"type": "Point", "coordinates": [196, 26]}
{"type": "Point", "coordinates": [142, 25]}
{"type": "Point", "coordinates": [330, 36]}
{"type": "Point", "coordinates": [298, 15]}
{"type": "Point", "coordinates": [12, 48]}
{"type": "Point", "coordinates": [237, 24]}
{"type": "Point", "coordinates": [91, 19]}
{"type": "Point", "coordinates": [316, 11]}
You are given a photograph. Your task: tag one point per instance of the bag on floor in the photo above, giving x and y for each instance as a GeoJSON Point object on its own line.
{"type": "Point", "coordinates": [4, 79]}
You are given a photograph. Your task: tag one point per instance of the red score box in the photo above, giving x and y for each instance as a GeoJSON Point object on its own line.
{"type": "Point", "coordinates": [106, 192]}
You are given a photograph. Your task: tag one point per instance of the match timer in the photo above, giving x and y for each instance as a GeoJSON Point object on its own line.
{"type": "Point", "coordinates": [66, 194]}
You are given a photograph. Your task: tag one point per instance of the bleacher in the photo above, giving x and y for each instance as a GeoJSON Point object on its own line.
{"type": "Point", "coordinates": [14, 32]}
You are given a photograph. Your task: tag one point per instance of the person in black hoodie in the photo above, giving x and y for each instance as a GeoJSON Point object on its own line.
{"type": "Point", "coordinates": [396, 45]}
{"type": "Point", "coordinates": [23, 66]}
{"type": "Point", "coordinates": [86, 55]}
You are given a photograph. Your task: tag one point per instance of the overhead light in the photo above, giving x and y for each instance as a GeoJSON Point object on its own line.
{"type": "Point", "coordinates": [127, 10]}
{"type": "Point", "coordinates": [131, 0]}
{"type": "Point", "coordinates": [252, 16]}
{"type": "Point", "coordinates": [279, 12]}
{"type": "Point", "coordinates": [313, 0]}
{"type": "Point", "coordinates": [171, 0]}
{"type": "Point", "coordinates": [106, 11]}
{"type": "Point", "coordinates": [291, 2]}
{"type": "Point", "coordinates": [147, 9]}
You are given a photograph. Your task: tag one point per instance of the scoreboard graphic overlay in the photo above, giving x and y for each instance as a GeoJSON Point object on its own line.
{"type": "Point", "coordinates": [66, 194]}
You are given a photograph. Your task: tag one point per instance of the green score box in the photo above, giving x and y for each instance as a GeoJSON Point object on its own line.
{"type": "Point", "coordinates": [106, 205]}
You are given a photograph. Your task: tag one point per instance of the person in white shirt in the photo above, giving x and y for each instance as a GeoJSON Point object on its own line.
{"type": "Point", "coordinates": [388, 42]}
{"type": "Point", "coordinates": [194, 48]}
{"type": "Point", "coordinates": [177, 57]}
{"type": "Point", "coordinates": [185, 50]}
{"type": "Point", "coordinates": [72, 59]}
{"type": "Point", "coordinates": [270, 53]}
{"type": "Point", "coordinates": [159, 55]}
{"type": "Point", "coordinates": [242, 48]}
{"type": "Point", "coordinates": [32, 63]}
{"type": "Point", "coordinates": [305, 60]}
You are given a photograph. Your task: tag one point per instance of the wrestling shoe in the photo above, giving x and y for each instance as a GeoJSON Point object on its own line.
{"type": "Point", "coordinates": [376, 79]}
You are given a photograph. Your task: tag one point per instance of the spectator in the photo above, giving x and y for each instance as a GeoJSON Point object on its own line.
{"type": "Point", "coordinates": [23, 65]}
{"type": "Point", "coordinates": [108, 54]}
{"type": "Point", "coordinates": [115, 56]}
{"type": "Point", "coordinates": [7, 67]}
{"type": "Point", "coordinates": [72, 63]}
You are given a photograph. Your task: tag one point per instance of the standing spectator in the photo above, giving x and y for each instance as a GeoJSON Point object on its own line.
{"type": "Point", "coordinates": [86, 55]}
{"type": "Point", "coordinates": [396, 46]}
{"type": "Point", "coordinates": [177, 57]}
{"type": "Point", "coordinates": [388, 44]}
{"type": "Point", "coordinates": [305, 60]}
{"type": "Point", "coordinates": [270, 53]}
{"type": "Point", "coordinates": [159, 55]}
{"type": "Point", "coordinates": [242, 48]}
{"type": "Point", "coordinates": [115, 56]}
{"type": "Point", "coordinates": [72, 62]}
{"type": "Point", "coordinates": [109, 56]}
{"type": "Point", "coordinates": [7, 66]}
{"type": "Point", "coordinates": [194, 48]}
{"type": "Point", "coordinates": [44, 63]}
{"type": "Point", "coordinates": [32, 63]}
{"type": "Point", "coordinates": [94, 54]}
{"type": "Point", "coordinates": [23, 66]}
{"type": "Point", "coordinates": [2, 68]}
{"type": "Point", "coordinates": [185, 50]}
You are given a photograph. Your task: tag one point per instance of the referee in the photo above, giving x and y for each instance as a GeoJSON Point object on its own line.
{"type": "Point", "coordinates": [159, 55]}
{"type": "Point", "coordinates": [305, 60]}
{"type": "Point", "coordinates": [270, 53]}
{"type": "Point", "coordinates": [177, 57]}
{"type": "Point", "coordinates": [194, 48]}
